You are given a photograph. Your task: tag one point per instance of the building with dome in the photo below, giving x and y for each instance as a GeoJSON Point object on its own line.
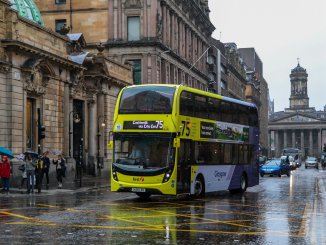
{"type": "Point", "coordinates": [299, 126]}
{"type": "Point", "coordinates": [54, 95]}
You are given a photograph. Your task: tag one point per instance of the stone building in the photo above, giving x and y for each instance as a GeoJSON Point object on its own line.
{"type": "Point", "coordinates": [299, 126]}
{"type": "Point", "coordinates": [46, 79]}
{"type": "Point", "coordinates": [257, 92]}
{"type": "Point", "coordinates": [163, 40]}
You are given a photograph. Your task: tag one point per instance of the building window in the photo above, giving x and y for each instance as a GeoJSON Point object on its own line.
{"type": "Point", "coordinates": [59, 24]}
{"type": "Point", "coordinates": [133, 28]}
{"type": "Point", "coordinates": [136, 71]}
{"type": "Point", "coordinates": [60, 1]}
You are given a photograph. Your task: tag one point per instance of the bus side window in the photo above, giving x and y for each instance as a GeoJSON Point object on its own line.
{"type": "Point", "coordinates": [235, 113]}
{"type": "Point", "coordinates": [186, 104]}
{"type": "Point", "coordinates": [214, 109]}
{"type": "Point", "coordinates": [201, 109]}
{"type": "Point", "coordinates": [243, 115]}
{"type": "Point", "coordinates": [225, 109]}
{"type": "Point", "coordinates": [253, 116]}
{"type": "Point", "coordinates": [235, 154]}
{"type": "Point", "coordinates": [227, 154]}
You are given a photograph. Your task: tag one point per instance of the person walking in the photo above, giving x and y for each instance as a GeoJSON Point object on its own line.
{"type": "Point", "coordinates": [39, 173]}
{"type": "Point", "coordinates": [46, 167]}
{"type": "Point", "coordinates": [5, 170]}
{"type": "Point", "coordinates": [30, 172]}
{"type": "Point", "coordinates": [60, 169]}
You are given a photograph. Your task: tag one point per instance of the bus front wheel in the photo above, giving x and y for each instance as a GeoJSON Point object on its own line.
{"type": "Point", "coordinates": [199, 187]}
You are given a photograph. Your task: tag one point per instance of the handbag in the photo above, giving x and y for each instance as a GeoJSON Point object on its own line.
{"type": "Point", "coordinates": [24, 175]}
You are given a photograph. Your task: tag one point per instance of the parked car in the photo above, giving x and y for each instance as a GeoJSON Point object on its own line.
{"type": "Point", "coordinates": [291, 161]}
{"type": "Point", "coordinates": [311, 162]}
{"type": "Point", "coordinates": [323, 160]}
{"type": "Point", "coordinates": [275, 167]}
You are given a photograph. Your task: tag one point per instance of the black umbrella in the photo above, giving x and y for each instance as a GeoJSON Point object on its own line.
{"type": "Point", "coordinates": [31, 153]}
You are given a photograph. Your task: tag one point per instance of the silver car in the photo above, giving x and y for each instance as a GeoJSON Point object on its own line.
{"type": "Point", "coordinates": [311, 162]}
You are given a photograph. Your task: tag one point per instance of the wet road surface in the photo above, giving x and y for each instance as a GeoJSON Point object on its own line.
{"type": "Point", "coordinates": [286, 210]}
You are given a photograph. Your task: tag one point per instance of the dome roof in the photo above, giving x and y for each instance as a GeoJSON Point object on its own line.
{"type": "Point", "coordinates": [28, 9]}
{"type": "Point", "coordinates": [298, 68]}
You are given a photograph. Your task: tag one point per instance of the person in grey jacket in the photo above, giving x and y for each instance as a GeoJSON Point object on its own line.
{"type": "Point", "coordinates": [30, 171]}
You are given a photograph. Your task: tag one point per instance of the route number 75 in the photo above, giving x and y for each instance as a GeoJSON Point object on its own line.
{"type": "Point", "coordinates": [185, 128]}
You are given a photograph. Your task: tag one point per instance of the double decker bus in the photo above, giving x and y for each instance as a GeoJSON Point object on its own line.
{"type": "Point", "coordinates": [172, 139]}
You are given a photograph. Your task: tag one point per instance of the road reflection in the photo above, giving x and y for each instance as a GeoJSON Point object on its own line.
{"type": "Point", "coordinates": [286, 210]}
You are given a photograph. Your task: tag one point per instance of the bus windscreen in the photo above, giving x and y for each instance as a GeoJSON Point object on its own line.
{"type": "Point", "coordinates": [147, 100]}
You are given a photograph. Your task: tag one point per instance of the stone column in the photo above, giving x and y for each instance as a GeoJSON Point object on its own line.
{"type": "Point", "coordinates": [319, 142]}
{"type": "Point", "coordinates": [284, 139]}
{"type": "Point", "coordinates": [100, 120]}
{"type": "Point", "coordinates": [310, 143]}
{"type": "Point", "coordinates": [269, 143]}
{"type": "Point", "coordinates": [67, 109]}
{"type": "Point", "coordinates": [164, 24]}
{"type": "Point", "coordinates": [302, 141]}
{"type": "Point", "coordinates": [293, 139]}
{"type": "Point", "coordinates": [92, 126]}
{"type": "Point", "coordinates": [277, 146]}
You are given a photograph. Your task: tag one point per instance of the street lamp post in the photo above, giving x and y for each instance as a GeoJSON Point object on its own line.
{"type": "Point", "coordinates": [100, 125]}
{"type": "Point", "coordinates": [218, 66]}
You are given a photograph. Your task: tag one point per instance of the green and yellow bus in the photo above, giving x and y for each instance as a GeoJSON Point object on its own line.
{"type": "Point", "coordinates": [172, 139]}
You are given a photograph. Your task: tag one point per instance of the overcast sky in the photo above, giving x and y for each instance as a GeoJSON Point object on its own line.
{"type": "Point", "coordinates": [280, 31]}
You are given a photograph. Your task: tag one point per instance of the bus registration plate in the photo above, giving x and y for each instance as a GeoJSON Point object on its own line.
{"type": "Point", "coordinates": [138, 190]}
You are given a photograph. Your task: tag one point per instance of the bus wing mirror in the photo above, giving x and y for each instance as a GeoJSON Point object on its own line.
{"type": "Point", "coordinates": [176, 143]}
{"type": "Point", "coordinates": [110, 145]}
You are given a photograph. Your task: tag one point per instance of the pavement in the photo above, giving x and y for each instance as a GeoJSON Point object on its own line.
{"type": "Point", "coordinates": [87, 182]}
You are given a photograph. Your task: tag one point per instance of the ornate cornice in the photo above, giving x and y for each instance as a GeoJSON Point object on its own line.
{"type": "Point", "coordinates": [19, 46]}
{"type": "Point", "coordinates": [36, 75]}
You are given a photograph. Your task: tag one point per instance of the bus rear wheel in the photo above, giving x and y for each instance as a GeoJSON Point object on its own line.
{"type": "Point", "coordinates": [143, 195]}
{"type": "Point", "coordinates": [243, 185]}
{"type": "Point", "coordinates": [199, 187]}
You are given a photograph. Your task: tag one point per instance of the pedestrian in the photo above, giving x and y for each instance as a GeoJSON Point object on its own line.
{"type": "Point", "coordinates": [287, 160]}
{"type": "Point", "coordinates": [39, 173]}
{"type": "Point", "coordinates": [46, 167]}
{"type": "Point", "coordinates": [22, 168]}
{"type": "Point", "coordinates": [60, 169]}
{"type": "Point", "coordinates": [30, 172]}
{"type": "Point", "coordinates": [5, 170]}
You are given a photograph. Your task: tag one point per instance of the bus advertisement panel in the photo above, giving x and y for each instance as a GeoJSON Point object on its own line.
{"type": "Point", "coordinates": [171, 139]}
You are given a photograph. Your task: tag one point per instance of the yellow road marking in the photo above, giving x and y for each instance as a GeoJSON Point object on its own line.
{"type": "Point", "coordinates": [147, 228]}
{"type": "Point", "coordinates": [22, 217]}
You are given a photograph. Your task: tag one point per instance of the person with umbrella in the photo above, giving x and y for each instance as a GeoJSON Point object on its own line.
{"type": "Point", "coordinates": [5, 170]}
{"type": "Point", "coordinates": [30, 171]}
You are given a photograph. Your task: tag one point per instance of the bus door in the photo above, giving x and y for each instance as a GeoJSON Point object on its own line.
{"type": "Point", "coordinates": [184, 166]}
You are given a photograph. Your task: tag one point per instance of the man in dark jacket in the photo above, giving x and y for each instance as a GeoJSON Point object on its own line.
{"type": "Point", "coordinates": [42, 167]}
{"type": "Point", "coordinates": [46, 167]}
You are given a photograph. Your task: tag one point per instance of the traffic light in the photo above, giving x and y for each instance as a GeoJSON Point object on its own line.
{"type": "Point", "coordinates": [41, 132]}
{"type": "Point", "coordinates": [324, 148]}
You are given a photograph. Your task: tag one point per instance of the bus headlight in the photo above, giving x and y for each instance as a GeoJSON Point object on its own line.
{"type": "Point", "coordinates": [114, 175]}
{"type": "Point", "coordinates": [167, 176]}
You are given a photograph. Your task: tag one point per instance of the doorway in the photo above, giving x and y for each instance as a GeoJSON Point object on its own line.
{"type": "Point", "coordinates": [78, 135]}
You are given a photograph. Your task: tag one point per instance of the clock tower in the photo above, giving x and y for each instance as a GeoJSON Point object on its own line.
{"type": "Point", "coordinates": [299, 99]}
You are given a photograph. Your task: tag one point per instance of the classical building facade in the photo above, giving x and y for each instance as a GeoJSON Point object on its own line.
{"type": "Point", "coordinates": [299, 126]}
{"type": "Point", "coordinates": [46, 79]}
{"type": "Point", "coordinates": [163, 40]}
